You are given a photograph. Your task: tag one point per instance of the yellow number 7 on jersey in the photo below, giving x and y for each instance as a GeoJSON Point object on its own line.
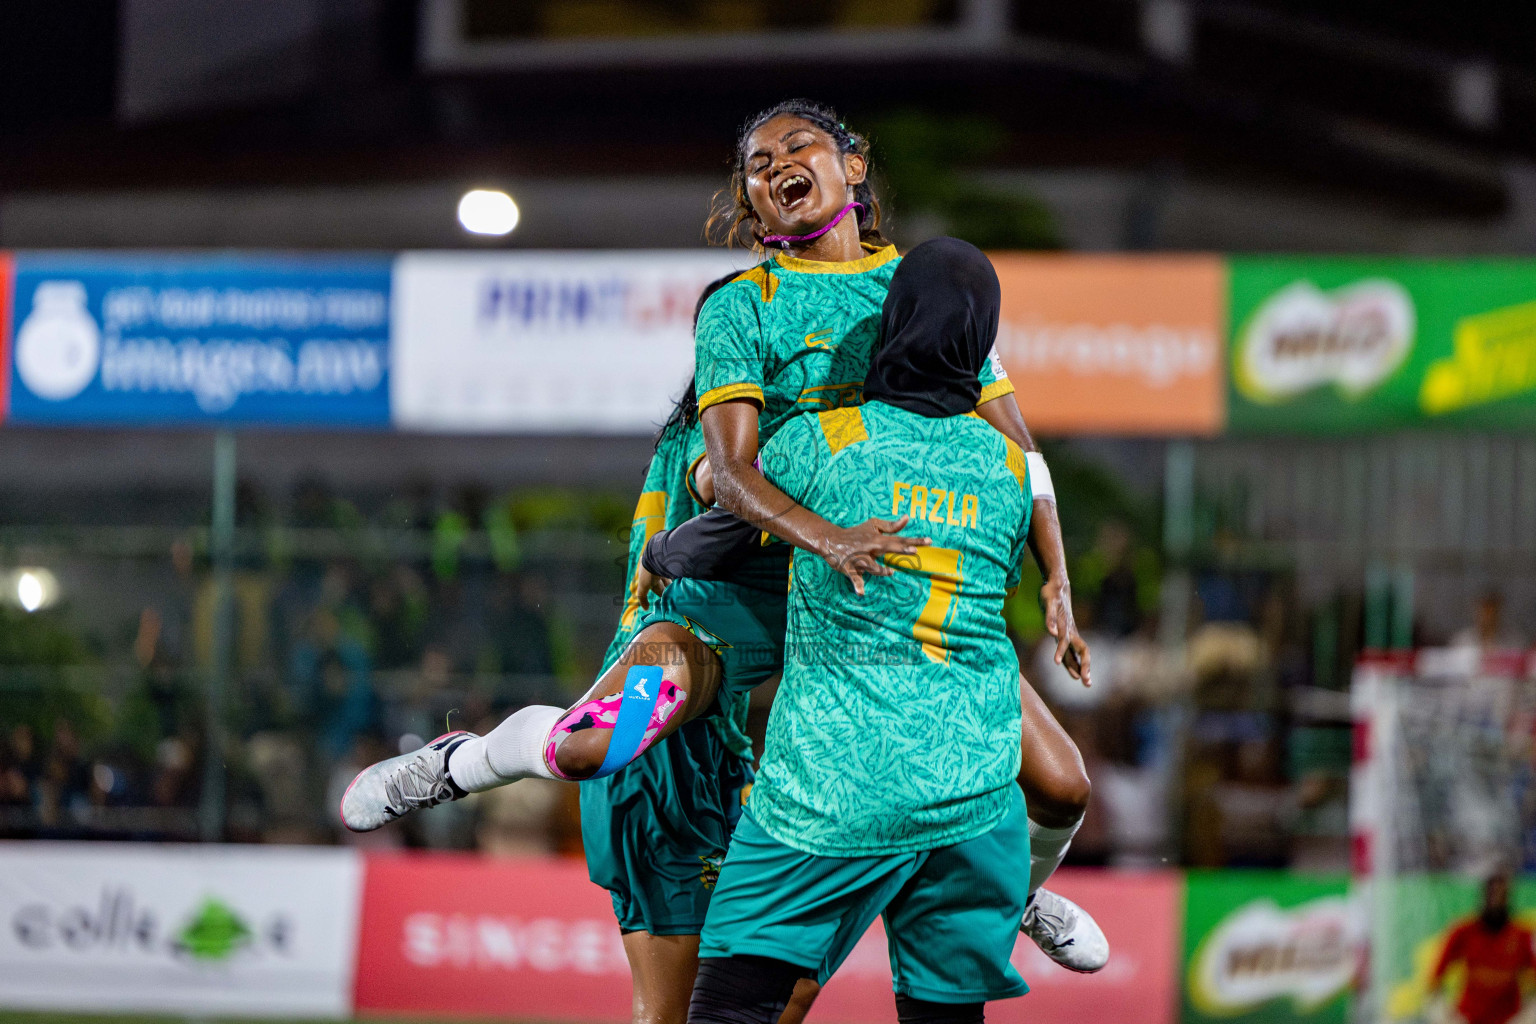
{"type": "Point", "coordinates": [942, 567]}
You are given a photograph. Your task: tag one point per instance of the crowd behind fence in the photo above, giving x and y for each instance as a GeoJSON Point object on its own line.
{"type": "Point", "coordinates": [363, 627]}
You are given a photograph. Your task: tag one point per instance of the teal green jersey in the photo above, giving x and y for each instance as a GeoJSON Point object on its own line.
{"type": "Point", "coordinates": [896, 726]}
{"type": "Point", "coordinates": [667, 499]}
{"type": "Point", "coordinates": [797, 336]}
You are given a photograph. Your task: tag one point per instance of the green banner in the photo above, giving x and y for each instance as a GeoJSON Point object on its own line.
{"type": "Point", "coordinates": [1262, 946]}
{"type": "Point", "coordinates": [1413, 916]}
{"type": "Point", "coordinates": [1351, 344]}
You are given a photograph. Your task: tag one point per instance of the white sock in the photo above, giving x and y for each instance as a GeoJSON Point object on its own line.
{"type": "Point", "coordinates": [511, 751]}
{"type": "Point", "coordinates": [1047, 847]}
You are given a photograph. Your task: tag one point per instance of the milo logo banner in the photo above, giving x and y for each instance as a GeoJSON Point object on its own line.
{"type": "Point", "coordinates": [1356, 344]}
{"type": "Point", "coordinates": [1264, 946]}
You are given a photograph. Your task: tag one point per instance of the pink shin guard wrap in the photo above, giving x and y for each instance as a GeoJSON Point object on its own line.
{"type": "Point", "coordinates": [603, 713]}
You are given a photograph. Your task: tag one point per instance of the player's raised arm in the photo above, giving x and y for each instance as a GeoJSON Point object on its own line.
{"type": "Point", "coordinates": [1045, 541]}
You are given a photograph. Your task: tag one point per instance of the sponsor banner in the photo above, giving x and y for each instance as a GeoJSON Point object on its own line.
{"type": "Point", "coordinates": [1266, 946]}
{"type": "Point", "coordinates": [1139, 912]}
{"type": "Point", "coordinates": [248, 931]}
{"type": "Point", "coordinates": [7, 280]}
{"type": "Point", "coordinates": [450, 935]}
{"type": "Point", "coordinates": [107, 339]}
{"type": "Point", "coordinates": [534, 939]}
{"type": "Point", "coordinates": [546, 342]}
{"type": "Point", "coordinates": [1358, 344]}
{"type": "Point", "coordinates": [1115, 344]}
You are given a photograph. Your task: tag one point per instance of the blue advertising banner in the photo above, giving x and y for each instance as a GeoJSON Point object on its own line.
{"type": "Point", "coordinates": [163, 340]}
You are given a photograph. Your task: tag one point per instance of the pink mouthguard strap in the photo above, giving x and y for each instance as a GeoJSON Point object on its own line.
{"type": "Point", "coordinates": [603, 713]}
{"type": "Point", "coordinates": [786, 240]}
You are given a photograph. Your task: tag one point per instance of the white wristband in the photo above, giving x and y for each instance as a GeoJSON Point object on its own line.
{"type": "Point", "coordinates": [1039, 477]}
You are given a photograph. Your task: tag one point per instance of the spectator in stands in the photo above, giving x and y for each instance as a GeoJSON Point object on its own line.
{"type": "Point", "coordinates": [1116, 609]}
{"type": "Point", "coordinates": [1488, 630]}
{"type": "Point", "coordinates": [398, 608]}
{"type": "Point", "coordinates": [20, 767]}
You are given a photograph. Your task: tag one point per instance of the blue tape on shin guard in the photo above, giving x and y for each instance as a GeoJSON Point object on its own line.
{"type": "Point", "coordinates": [641, 689]}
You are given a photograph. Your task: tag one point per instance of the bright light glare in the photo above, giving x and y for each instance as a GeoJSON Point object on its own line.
{"type": "Point", "coordinates": [29, 591]}
{"type": "Point", "coordinates": [487, 212]}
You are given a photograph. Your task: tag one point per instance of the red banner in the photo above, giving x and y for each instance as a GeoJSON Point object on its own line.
{"type": "Point", "coordinates": [447, 935]}
{"type": "Point", "coordinates": [459, 935]}
{"type": "Point", "coordinates": [1139, 912]}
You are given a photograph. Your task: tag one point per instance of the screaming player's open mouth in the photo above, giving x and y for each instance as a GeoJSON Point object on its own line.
{"type": "Point", "coordinates": [793, 190]}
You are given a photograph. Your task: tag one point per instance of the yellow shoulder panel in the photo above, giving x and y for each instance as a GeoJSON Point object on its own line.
{"type": "Point", "coordinates": [765, 281]}
{"type": "Point", "coordinates": [1016, 463]}
{"type": "Point", "coordinates": [997, 389]}
{"type": "Point", "coordinates": [842, 427]}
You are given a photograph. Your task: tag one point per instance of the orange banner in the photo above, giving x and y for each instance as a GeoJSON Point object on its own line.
{"type": "Point", "coordinates": [1115, 344]}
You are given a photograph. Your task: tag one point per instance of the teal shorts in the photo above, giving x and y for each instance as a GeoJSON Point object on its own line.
{"type": "Point", "coordinates": [951, 914]}
{"type": "Point", "coordinates": [656, 832]}
{"type": "Point", "coordinates": [742, 625]}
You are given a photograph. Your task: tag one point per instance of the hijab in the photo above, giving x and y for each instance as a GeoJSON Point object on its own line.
{"type": "Point", "coordinates": [937, 328]}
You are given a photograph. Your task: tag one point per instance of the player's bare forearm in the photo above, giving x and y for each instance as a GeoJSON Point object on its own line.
{"type": "Point", "coordinates": [1003, 413]}
{"type": "Point", "coordinates": [1045, 544]}
{"type": "Point", "coordinates": [1045, 541]}
{"type": "Point", "coordinates": [730, 435]}
{"type": "Point", "coordinates": [1045, 527]}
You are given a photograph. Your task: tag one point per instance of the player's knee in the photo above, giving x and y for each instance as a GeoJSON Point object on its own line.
{"type": "Point", "coordinates": [581, 754]}
{"type": "Point", "coordinates": [1061, 798]}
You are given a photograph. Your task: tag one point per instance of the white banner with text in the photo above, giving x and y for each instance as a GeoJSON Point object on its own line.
{"type": "Point", "coordinates": [253, 931]}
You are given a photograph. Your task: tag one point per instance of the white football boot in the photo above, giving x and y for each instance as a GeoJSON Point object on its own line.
{"type": "Point", "coordinates": [394, 788]}
{"type": "Point", "coordinates": [1065, 933]}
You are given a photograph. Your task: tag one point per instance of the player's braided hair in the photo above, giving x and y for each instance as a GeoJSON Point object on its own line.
{"type": "Point", "coordinates": [731, 208]}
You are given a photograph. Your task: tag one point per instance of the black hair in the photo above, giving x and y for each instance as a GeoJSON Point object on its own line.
{"type": "Point", "coordinates": [685, 411]}
{"type": "Point", "coordinates": [732, 208]}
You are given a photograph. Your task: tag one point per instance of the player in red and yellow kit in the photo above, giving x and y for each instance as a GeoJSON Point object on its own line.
{"type": "Point", "coordinates": [1496, 951]}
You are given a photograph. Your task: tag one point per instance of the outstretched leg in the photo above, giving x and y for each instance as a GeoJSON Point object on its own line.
{"type": "Point", "coordinates": [678, 681]}
{"type": "Point", "coordinates": [1056, 791]}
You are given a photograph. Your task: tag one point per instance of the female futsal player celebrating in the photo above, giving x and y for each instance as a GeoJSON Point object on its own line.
{"type": "Point", "coordinates": [800, 184]}
{"type": "Point", "coordinates": [797, 334]}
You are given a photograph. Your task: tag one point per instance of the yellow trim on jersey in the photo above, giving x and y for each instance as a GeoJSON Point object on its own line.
{"type": "Point", "coordinates": [650, 510]}
{"type": "Point", "coordinates": [847, 393]}
{"type": "Point", "coordinates": [997, 389]}
{"type": "Point", "coordinates": [709, 639]}
{"type": "Point", "coordinates": [767, 284]}
{"type": "Point", "coordinates": [1016, 463]}
{"type": "Point", "coordinates": [729, 393]}
{"type": "Point", "coordinates": [688, 479]}
{"type": "Point", "coordinates": [878, 258]}
{"type": "Point", "coordinates": [842, 427]}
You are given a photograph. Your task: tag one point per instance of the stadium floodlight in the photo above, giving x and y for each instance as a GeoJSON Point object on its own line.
{"type": "Point", "coordinates": [33, 589]}
{"type": "Point", "coordinates": [485, 211]}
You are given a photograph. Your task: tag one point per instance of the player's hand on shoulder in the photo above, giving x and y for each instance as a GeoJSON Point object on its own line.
{"type": "Point", "coordinates": [860, 551]}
